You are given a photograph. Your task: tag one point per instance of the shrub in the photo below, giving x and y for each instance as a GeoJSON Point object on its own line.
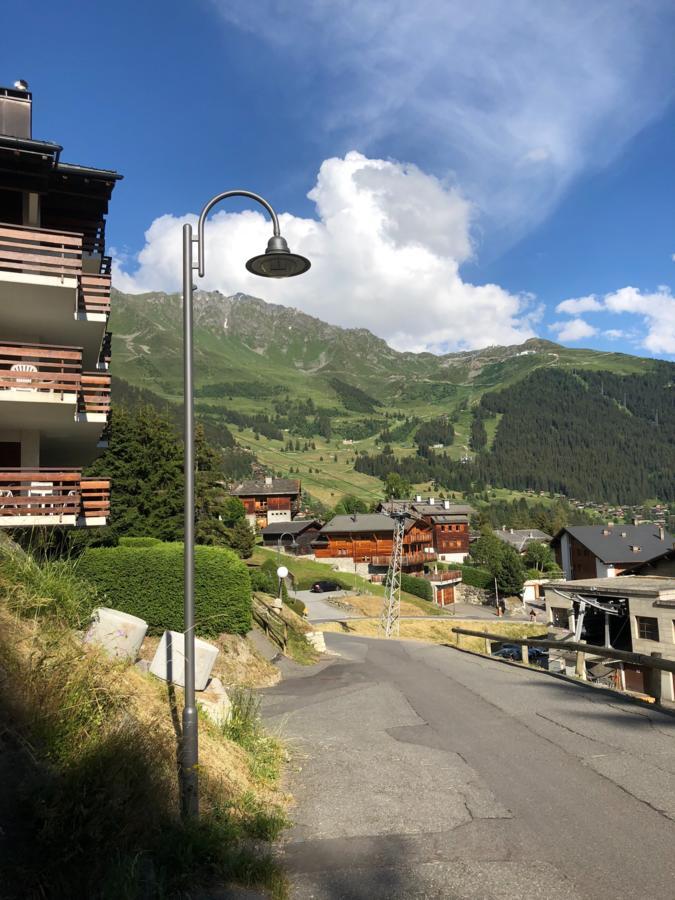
{"type": "Point", "coordinates": [420, 587]}
{"type": "Point", "coordinates": [304, 584]}
{"type": "Point", "coordinates": [475, 577]}
{"type": "Point", "coordinates": [297, 606]}
{"type": "Point", "coordinates": [148, 582]}
{"type": "Point", "coordinates": [139, 542]}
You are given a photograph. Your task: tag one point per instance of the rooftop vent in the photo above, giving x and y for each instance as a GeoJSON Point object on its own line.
{"type": "Point", "coordinates": [606, 531]}
{"type": "Point", "coordinates": [446, 504]}
{"type": "Point", "coordinates": [431, 501]}
{"type": "Point", "coordinates": [624, 534]}
{"type": "Point", "coordinates": [635, 548]}
{"type": "Point", "coordinates": [662, 533]}
{"type": "Point", "coordinates": [418, 498]}
{"type": "Point", "coordinates": [268, 480]}
{"type": "Point", "coordinates": [15, 110]}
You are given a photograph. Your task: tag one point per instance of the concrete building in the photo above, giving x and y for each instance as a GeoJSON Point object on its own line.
{"type": "Point", "coordinates": [642, 619]}
{"type": "Point", "coordinates": [54, 343]}
{"type": "Point", "coordinates": [602, 551]}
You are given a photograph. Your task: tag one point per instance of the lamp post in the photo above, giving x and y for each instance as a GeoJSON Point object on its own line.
{"type": "Point", "coordinates": [293, 544]}
{"type": "Point", "coordinates": [276, 262]}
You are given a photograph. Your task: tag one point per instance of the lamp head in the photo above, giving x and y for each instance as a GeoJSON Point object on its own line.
{"type": "Point", "coordinates": [278, 261]}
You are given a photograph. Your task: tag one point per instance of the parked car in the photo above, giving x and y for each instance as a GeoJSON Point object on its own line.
{"type": "Point", "coordinates": [536, 655]}
{"type": "Point", "coordinates": [323, 587]}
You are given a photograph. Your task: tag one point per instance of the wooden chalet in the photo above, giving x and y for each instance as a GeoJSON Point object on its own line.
{"type": "Point", "coordinates": [269, 500]}
{"type": "Point", "coordinates": [603, 551]}
{"type": "Point", "coordinates": [364, 541]}
{"type": "Point", "coordinates": [449, 523]}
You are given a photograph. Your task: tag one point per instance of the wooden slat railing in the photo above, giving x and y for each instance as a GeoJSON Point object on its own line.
{"type": "Point", "coordinates": [40, 368]}
{"type": "Point", "coordinates": [50, 494]}
{"type": "Point", "coordinates": [95, 497]}
{"type": "Point", "coordinates": [95, 392]}
{"type": "Point", "coordinates": [407, 559]}
{"type": "Point", "coordinates": [40, 251]}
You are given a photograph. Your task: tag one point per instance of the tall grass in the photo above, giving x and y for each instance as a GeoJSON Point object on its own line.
{"type": "Point", "coordinates": [244, 727]}
{"type": "Point", "coordinates": [89, 804]}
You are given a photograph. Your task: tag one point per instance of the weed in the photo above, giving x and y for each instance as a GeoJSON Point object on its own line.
{"type": "Point", "coordinates": [244, 727]}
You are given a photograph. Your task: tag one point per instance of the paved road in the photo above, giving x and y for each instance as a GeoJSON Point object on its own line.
{"type": "Point", "coordinates": [423, 772]}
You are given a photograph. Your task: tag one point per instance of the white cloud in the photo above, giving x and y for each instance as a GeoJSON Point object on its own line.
{"type": "Point", "coordinates": [579, 305]}
{"type": "Point", "coordinates": [657, 310]}
{"type": "Point", "coordinates": [573, 330]}
{"type": "Point", "coordinates": [515, 98]}
{"type": "Point", "coordinates": [613, 334]}
{"type": "Point", "coordinates": [385, 254]}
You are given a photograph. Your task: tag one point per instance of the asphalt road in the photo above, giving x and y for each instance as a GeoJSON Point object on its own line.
{"type": "Point", "coordinates": [422, 772]}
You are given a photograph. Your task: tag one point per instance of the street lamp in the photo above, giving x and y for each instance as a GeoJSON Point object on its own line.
{"type": "Point", "coordinates": [276, 262]}
{"type": "Point", "coordinates": [293, 544]}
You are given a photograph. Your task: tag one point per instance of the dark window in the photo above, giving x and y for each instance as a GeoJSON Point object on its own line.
{"type": "Point", "coordinates": [647, 628]}
{"type": "Point", "coordinates": [560, 616]}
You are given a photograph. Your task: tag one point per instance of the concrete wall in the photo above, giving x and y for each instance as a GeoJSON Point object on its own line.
{"type": "Point", "coordinates": [30, 444]}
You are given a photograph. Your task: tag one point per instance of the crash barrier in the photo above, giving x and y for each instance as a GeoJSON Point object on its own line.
{"type": "Point", "coordinates": [270, 621]}
{"type": "Point", "coordinates": [654, 663]}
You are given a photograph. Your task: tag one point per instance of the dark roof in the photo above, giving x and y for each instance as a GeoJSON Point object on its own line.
{"type": "Point", "coordinates": [446, 517]}
{"type": "Point", "coordinates": [424, 508]}
{"type": "Point", "coordinates": [297, 526]}
{"type": "Point", "coordinates": [521, 537]}
{"type": "Point", "coordinates": [278, 486]}
{"type": "Point", "coordinates": [613, 544]}
{"type": "Point", "coordinates": [366, 522]}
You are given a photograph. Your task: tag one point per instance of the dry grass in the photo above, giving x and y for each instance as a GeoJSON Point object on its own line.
{"type": "Point", "coordinates": [371, 605]}
{"type": "Point", "coordinates": [438, 632]}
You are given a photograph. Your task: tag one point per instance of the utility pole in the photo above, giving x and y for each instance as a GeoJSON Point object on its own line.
{"type": "Point", "coordinates": [391, 611]}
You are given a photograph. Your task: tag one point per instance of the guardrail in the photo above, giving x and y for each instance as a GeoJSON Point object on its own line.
{"type": "Point", "coordinates": [654, 663]}
{"type": "Point", "coordinates": [270, 621]}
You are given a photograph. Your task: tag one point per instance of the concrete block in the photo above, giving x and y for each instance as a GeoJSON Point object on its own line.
{"type": "Point", "coordinates": [120, 634]}
{"type": "Point", "coordinates": [317, 640]}
{"type": "Point", "coordinates": [169, 661]}
{"type": "Point", "coordinates": [216, 706]}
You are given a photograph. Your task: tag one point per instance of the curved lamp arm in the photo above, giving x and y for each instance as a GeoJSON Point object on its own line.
{"type": "Point", "coordinates": [209, 206]}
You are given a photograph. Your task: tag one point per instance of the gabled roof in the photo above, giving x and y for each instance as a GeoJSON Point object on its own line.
{"type": "Point", "coordinates": [620, 544]}
{"type": "Point", "coordinates": [366, 522]}
{"type": "Point", "coordinates": [521, 537]}
{"type": "Point", "coordinates": [424, 508]}
{"type": "Point", "coordinates": [444, 518]}
{"type": "Point", "coordinates": [297, 526]}
{"type": "Point", "coordinates": [259, 488]}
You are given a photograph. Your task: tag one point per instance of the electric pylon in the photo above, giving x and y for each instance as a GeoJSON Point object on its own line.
{"type": "Point", "coordinates": [391, 611]}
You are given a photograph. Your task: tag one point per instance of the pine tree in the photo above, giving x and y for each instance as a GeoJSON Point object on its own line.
{"type": "Point", "coordinates": [242, 539]}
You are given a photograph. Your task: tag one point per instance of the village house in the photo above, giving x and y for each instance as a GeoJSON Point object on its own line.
{"type": "Point", "coordinates": [520, 538]}
{"type": "Point", "coordinates": [269, 500]}
{"type": "Point", "coordinates": [642, 619]}
{"type": "Point", "coordinates": [363, 543]}
{"type": "Point", "coordinates": [449, 523]}
{"type": "Point", "coordinates": [600, 551]}
{"type": "Point", "coordinates": [54, 342]}
{"type": "Point", "coordinates": [292, 537]}
{"type": "Point", "coordinates": [443, 586]}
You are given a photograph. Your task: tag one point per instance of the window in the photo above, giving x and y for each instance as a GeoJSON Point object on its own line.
{"type": "Point", "coordinates": [647, 628]}
{"type": "Point", "coordinates": [560, 616]}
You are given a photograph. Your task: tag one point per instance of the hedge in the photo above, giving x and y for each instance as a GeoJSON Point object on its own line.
{"type": "Point", "coordinates": [474, 576]}
{"type": "Point", "coordinates": [138, 542]}
{"type": "Point", "coordinates": [420, 587]}
{"type": "Point", "coordinates": [148, 582]}
{"type": "Point", "coordinates": [304, 584]}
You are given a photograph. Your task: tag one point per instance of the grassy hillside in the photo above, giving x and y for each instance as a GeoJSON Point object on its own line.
{"type": "Point", "coordinates": [308, 397]}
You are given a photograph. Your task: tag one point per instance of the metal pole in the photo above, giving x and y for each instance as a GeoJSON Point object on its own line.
{"type": "Point", "coordinates": [190, 749]}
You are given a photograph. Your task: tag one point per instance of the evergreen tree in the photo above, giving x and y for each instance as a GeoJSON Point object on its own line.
{"type": "Point", "coordinates": [242, 539]}
{"type": "Point", "coordinates": [510, 573]}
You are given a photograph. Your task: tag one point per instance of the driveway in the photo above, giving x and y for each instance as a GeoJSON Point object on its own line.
{"type": "Point", "coordinates": [318, 610]}
{"type": "Point", "coordinates": [423, 772]}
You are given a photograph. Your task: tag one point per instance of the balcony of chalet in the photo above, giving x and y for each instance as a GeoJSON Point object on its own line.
{"type": "Point", "coordinates": [40, 383]}
{"type": "Point", "coordinates": [52, 497]}
{"type": "Point", "coordinates": [48, 283]}
{"type": "Point", "coordinates": [408, 559]}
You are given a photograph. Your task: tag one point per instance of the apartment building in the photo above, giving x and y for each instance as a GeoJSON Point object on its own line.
{"type": "Point", "coordinates": [54, 343]}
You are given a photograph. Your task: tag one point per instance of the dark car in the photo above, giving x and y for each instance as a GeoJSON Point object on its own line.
{"type": "Point", "coordinates": [536, 655]}
{"type": "Point", "coordinates": [323, 587]}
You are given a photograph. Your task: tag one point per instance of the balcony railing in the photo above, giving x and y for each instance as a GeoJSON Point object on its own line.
{"type": "Point", "coordinates": [41, 368]}
{"type": "Point", "coordinates": [408, 559]}
{"type": "Point", "coordinates": [40, 251]}
{"type": "Point", "coordinates": [51, 497]}
{"type": "Point", "coordinates": [47, 370]}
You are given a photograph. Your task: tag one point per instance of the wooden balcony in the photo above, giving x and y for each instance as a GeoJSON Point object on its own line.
{"type": "Point", "coordinates": [46, 373]}
{"type": "Point", "coordinates": [52, 497]}
{"type": "Point", "coordinates": [408, 559]}
{"type": "Point", "coordinates": [42, 252]}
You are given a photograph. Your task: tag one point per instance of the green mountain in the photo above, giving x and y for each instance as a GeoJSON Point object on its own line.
{"type": "Point", "coordinates": [297, 391]}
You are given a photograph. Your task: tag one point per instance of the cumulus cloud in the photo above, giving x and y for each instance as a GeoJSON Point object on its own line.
{"type": "Point", "coordinates": [579, 305]}
{"type": "Point", "coordinates": [656, 310]}
{"type": "Point", "coordinates": [516, 98]}
{"type": "Point", "coordinates": [385, 249]}
{"type": "Point", "coordinates": [573, 330]}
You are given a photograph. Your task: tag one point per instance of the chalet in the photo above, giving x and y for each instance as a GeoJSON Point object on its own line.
{"type": "Point", "coordinates": [520, 538]}
{"type": "Point", "coordinates": [449, 523]}
{"type": "Point", "coordinates": [663, 566]}
{"type": "Point", "coordinates": [292, 537]}
{"type": "Point", "coordinates": [600, 551]}
{"type": "Point", "coordinates": [641, 619]}
{"type": "Point", "coordinates": [269, 500]}
{"type": "Point", "coordinates": [363, 542]}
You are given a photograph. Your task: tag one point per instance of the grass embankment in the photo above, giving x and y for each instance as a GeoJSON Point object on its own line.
{"type": "Point", "coordinates": [305, 571]}
{"type": "Point", "coordinates": [88, 759]}
{"type": "Point", "coordinates": [439, 632]}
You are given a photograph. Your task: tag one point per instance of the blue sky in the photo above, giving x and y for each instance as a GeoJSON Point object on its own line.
{"type": "Point", "coordinates": [477, 173]}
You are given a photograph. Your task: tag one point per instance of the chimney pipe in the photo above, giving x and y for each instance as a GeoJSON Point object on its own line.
{"type": "Point", "coordinates": [662, 533]}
